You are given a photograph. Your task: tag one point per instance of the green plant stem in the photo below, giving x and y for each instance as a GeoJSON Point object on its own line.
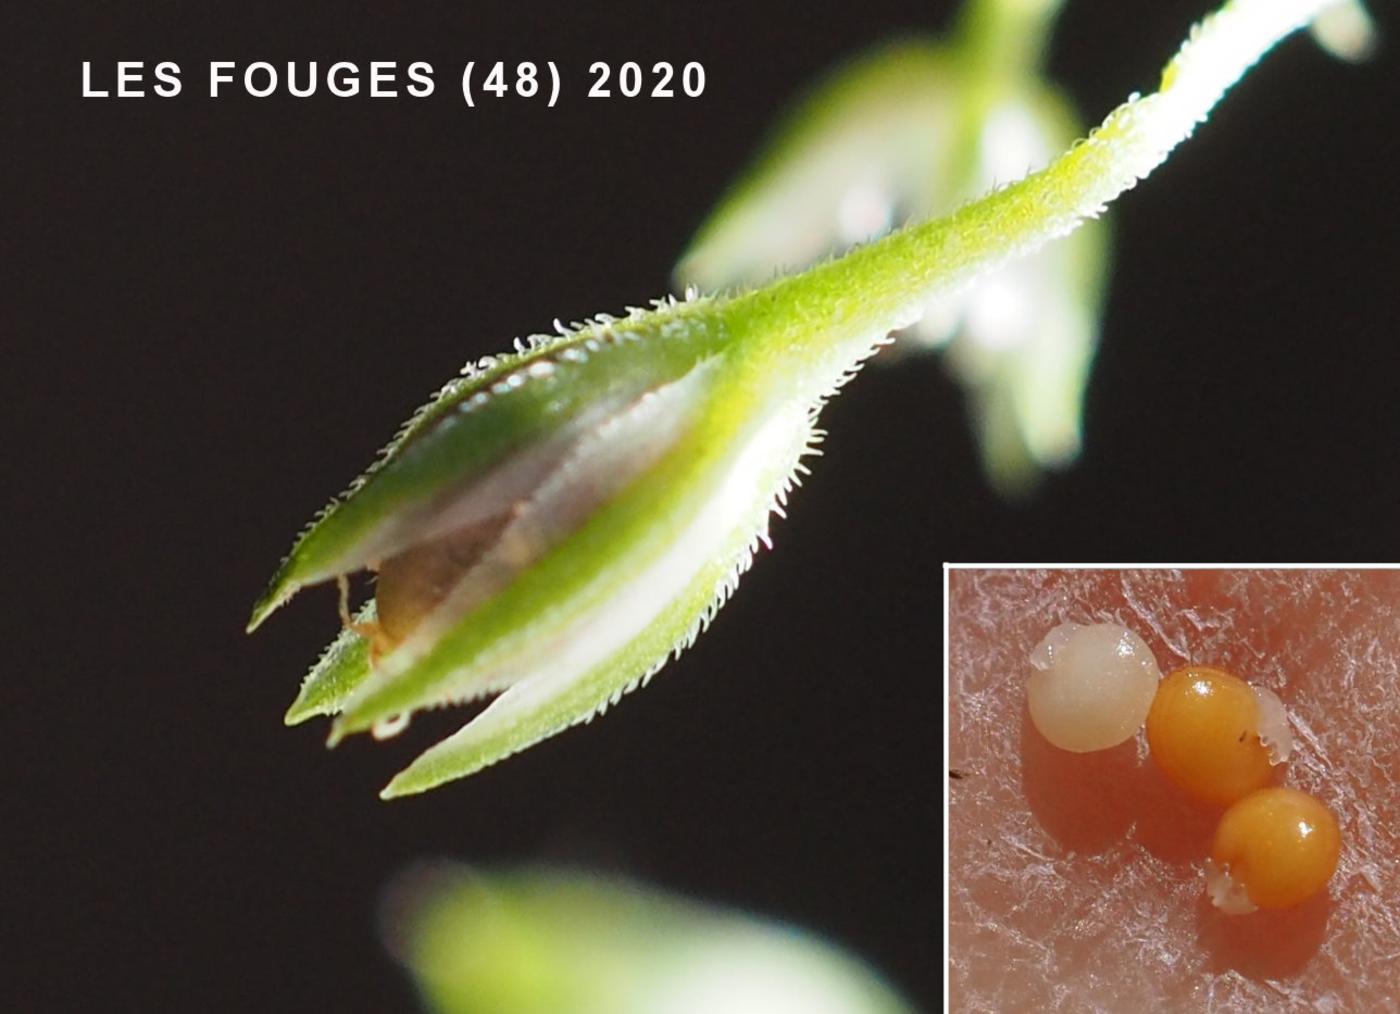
{"type": "Point", "coordinates": [883, 286]}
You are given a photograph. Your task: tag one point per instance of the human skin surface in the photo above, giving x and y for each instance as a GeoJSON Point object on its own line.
{"type": "Point", "coordinates": [1075, 879]}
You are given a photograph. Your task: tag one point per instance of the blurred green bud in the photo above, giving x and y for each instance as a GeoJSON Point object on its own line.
{"type": "Point", "coordinates": [550, 942]}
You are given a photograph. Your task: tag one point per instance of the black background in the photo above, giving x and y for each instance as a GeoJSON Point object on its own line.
{"type": "Point", "coordinates": [214, 312]}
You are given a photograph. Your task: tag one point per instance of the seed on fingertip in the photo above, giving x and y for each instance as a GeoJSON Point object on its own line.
{"type": "Point", "coordinates": [1092, 687]}
{"type": "Point", "coordinates": [1278, 846]}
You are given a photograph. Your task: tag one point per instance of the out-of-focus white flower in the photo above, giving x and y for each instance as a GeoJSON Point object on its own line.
{"type": "Point", "coordinates": [911, 130]}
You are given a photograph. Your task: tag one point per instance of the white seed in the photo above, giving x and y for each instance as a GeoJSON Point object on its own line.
{"type": "Point", "coordinates": [1092, 687]}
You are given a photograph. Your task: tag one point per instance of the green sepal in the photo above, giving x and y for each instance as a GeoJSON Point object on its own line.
{"type": "Point", "coordinates": [342, 667]}
{"type": "Point", "coordinates": [473, 425]}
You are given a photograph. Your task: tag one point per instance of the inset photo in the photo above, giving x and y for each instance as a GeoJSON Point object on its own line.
{"type": "Point", "coordinates": [1172, 788]}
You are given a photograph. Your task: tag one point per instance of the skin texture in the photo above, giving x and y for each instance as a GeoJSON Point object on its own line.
{"type": "Point", "coordinates": [1074, 879]}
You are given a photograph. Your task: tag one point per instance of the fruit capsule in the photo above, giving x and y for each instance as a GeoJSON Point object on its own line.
{"type": "Point", "coordinates": [1273, 849]}
{"type": "Point", "coordinates": [1204, 732]}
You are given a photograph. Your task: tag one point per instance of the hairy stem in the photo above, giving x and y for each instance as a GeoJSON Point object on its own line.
{"type": "Point", "coordinates": [883, 286]}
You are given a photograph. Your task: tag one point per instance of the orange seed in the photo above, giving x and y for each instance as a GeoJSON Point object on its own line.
{"type": "Point", "coordinates": [1203, 729]}
{"type": "Point", "coordinates": [1279, 845]}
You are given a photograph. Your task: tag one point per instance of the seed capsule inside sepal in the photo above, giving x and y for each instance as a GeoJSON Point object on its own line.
{"type": "Point", "coordinates": [563, 570]}
{"type": "Point", "coordinates": [486, 440]}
